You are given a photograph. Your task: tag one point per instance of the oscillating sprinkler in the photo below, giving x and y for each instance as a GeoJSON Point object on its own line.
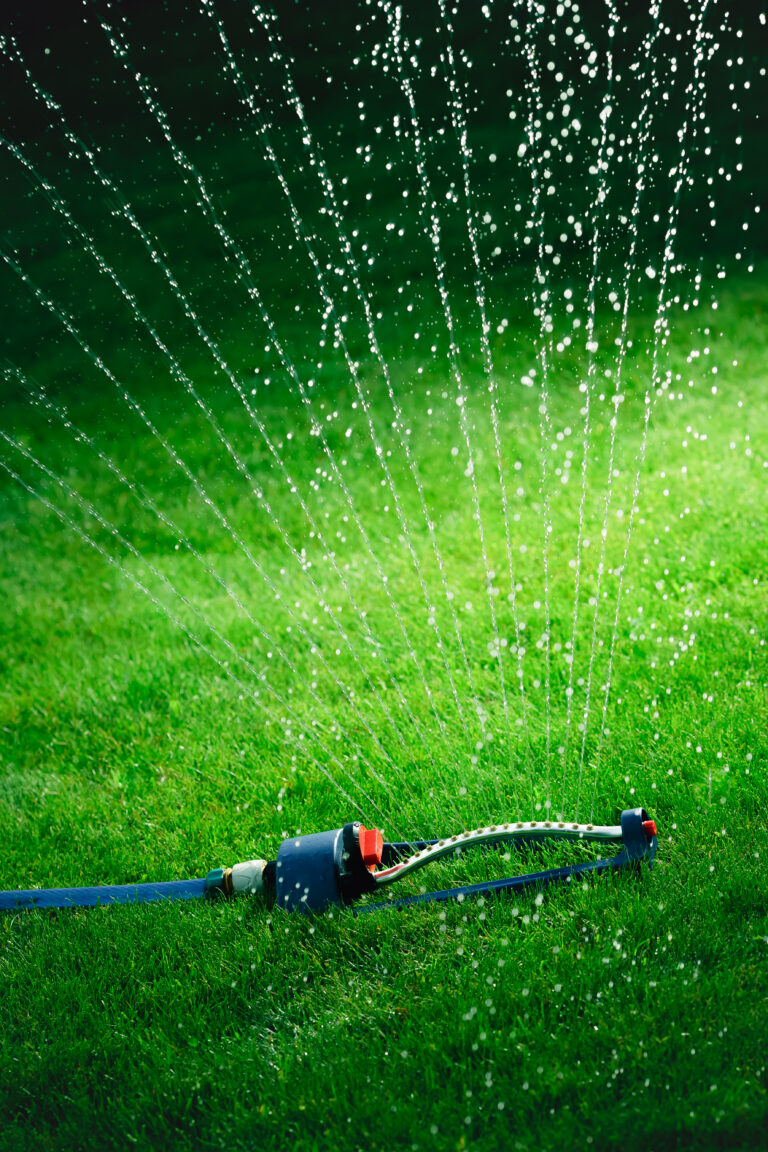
{"type": "Point", "coordinates": [323, 869]}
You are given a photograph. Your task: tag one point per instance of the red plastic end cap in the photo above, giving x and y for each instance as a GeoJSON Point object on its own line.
{"type": "Point", "coordinates": [371, 846]}
{"type": "Point", "coordinates": [650, 828]}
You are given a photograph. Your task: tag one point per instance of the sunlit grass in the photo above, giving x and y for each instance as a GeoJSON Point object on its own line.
{"type": "Point", "coordinates": [127, 755]}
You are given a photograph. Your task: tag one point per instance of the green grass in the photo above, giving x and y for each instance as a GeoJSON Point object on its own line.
{"type": "Point", "coordinates": [152, 735]}
{"type": "Point", "coordinates": [629, 1012]}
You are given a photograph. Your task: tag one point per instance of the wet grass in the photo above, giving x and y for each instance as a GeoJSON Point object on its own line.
{"type": "Point", "coordinates": [627, 1013]}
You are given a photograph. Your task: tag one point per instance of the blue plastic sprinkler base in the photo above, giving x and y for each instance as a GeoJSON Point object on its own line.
{"type": "Point", "coordinates": [326, 868]}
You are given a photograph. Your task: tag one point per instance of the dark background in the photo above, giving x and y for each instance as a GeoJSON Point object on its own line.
{"type": "Point", "coordinates": [338, 57]}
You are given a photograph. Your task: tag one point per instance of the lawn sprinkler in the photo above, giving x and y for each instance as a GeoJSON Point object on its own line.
{"type": "Point", "coordinates": [316, 872]}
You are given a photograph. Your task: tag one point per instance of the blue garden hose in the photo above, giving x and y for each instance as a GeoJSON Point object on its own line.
{"type": "Point", "coordinates": [103, 894]}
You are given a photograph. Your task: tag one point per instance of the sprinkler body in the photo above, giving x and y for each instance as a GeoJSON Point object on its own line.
{"type": "Point", "coordinates": [317, 871]}
{"type": "Point", "coordinates": [326, 868]}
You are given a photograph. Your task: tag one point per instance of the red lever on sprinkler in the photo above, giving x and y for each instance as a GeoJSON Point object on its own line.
{"type": "Point", "coordinates": [371, 844]}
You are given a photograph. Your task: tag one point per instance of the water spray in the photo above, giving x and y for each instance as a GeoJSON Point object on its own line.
{"type": "Point", "coordinates": [316, 872]}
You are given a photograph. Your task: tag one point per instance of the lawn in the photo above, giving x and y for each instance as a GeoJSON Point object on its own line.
{"type": "Point", "coordinates": [232, 614]}
{"type": "Point", "coordinates": [631, 1004]}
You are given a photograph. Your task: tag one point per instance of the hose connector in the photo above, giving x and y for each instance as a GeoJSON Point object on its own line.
{"type": "Point", "coordinates": [245, 879]}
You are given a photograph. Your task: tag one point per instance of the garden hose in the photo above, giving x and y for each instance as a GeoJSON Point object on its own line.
{"type": "Point", "coordinates": [317, 871]}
